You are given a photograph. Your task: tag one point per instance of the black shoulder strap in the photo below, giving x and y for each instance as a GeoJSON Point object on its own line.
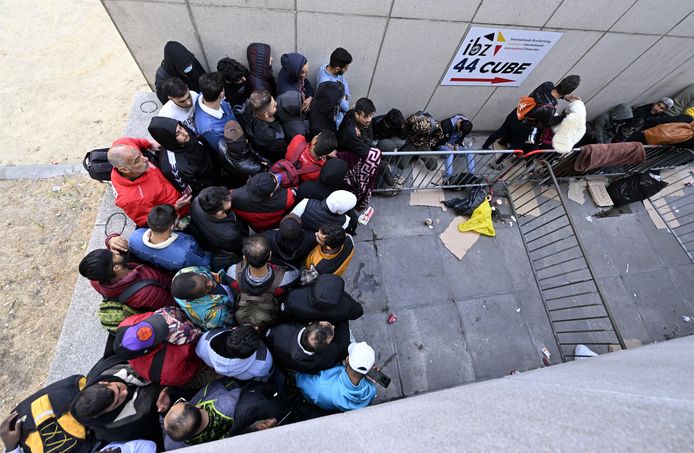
{"type": "Point", "coordinates": [157, 364]}
{"type": "Point", "coordinates": [135, 287]}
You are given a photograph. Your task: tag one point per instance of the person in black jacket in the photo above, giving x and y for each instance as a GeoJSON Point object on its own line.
{"type": "Point", "coordinates": [263, 130]}
{"type": "Point", "coordinates": [178, 62]}
{"type": "Point", "coordinates": [118, 406]}
{"type": "Point", "coordinates": [308, 349]}
{"type": "Point", "coordinates": [324, 108]}
{"type": "Point", "coordinates": [187, 162]}
{"type": "Point", "coordinates": [331, 211]}
{"type": "Point", "coordinates": [237, 86]}
{"type": "Point", "coordinates": [290, 243]}
{"type": "Point", "coordinates": [260, 67]}
{"type": "Point", "coordinates": [325, 299]}
{"type": "Point", "coordinates": [332, 176]}
{"type": "Point", "coordinates": [216, 227]}
{"type": "Point", "coordinates": [389, 130]}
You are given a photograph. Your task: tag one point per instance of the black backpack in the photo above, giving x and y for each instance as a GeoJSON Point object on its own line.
{"type": "Point", "coordinates": [97, 165]}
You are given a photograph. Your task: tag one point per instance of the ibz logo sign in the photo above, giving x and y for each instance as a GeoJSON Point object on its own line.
{"type": "Point", "coordinates": [504, 57]}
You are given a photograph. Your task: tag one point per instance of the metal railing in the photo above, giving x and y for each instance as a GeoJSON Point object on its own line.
{"type": "Point", "coordinates": [468, 168]}
{"type": "Point", "coordinates": [675, 207]}
{"type": "Point", "coordinates": [574, 304]}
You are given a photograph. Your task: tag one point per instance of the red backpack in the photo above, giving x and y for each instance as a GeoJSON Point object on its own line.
{"type": "Point", "coordinates": [290, 169]}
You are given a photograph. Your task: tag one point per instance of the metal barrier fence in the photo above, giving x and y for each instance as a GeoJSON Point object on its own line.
{"type": "Point", "coordinates": [675, 207]}
{"type": "Point", "coordinates": [468, 168]}
{"type": "Point", "coordinates": [575, 306]}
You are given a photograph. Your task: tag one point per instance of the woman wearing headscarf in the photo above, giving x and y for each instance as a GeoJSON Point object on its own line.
{"type": "Point", "coordinates": [178, 62]}
{"type": "Point", "coordinates": [187, 162]}
{"type": "Point", "coordinates": [324, 107]}
{"type": "Point", "coordinates": [292, 77]}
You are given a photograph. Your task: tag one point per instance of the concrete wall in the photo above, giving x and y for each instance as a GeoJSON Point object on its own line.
{"type": "Point", "coordinates": [633, 400]}
{"type": "Point", "coordinates": [625, 50]}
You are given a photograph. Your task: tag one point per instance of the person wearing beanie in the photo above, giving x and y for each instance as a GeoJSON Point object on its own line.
{"type": "Point", "coordinates": [342, 387]}
{"type": "Point", "coordinates": [606, 127]}
{"type": "Point", "coordinates": [262, 203]}
{"type": "Point", "coordinates": [325, 299]}
{"type": "Point", "coordinates": [647, 116]}
{"type": "Point", "coordinates": [331, 211]}
{"type": "Point", "coordinates": [290, 243]}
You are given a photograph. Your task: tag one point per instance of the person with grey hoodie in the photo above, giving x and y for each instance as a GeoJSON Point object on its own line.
{"type": "Point", "coordinates": [237, 352]}
{"type": "Point", "coordinates": [290, 115]}
{"type": "Point", "coordinates": [606, 126]}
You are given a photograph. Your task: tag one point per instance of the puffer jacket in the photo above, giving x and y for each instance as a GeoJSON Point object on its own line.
{"type": "Point", "coordinates": [260, 70]}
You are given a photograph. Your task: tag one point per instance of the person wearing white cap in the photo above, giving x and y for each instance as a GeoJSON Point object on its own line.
{"type": "Point", "coordinates": [331, 211]}
{"type": "Point", "coordinates": [342, 387]}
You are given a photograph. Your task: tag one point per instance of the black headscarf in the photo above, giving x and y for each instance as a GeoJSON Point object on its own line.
{"type": "Point", "coordinates": [176, 59]}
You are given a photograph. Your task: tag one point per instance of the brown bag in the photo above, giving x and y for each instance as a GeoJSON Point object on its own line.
{"type": "Point", "coordinates": [525, 106]}
{"type": "Point", "coordinates": [669, 133]}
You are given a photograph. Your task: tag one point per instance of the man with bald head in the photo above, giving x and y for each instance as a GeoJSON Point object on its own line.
{"type": "Point", "coordinates": [139, 186]}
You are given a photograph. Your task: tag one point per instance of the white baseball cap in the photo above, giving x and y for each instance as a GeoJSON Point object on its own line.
{"type": "Point", "coordinates": [361, 357]}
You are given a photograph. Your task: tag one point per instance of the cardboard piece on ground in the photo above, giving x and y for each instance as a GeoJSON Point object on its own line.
{"type": "Point", "coordinates": [599, 193]}
{"type": "Point", "coordinates": [456, 242]}
{"type": "Point", "coordinates": [577, 191]}
{"type": "Point", "coordinates": [427, 197]}
{"type": "Point", "coordinates": [657, 221]}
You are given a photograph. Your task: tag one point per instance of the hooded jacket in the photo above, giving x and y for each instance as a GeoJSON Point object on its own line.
{"type": "Point", "coordinates": [606, 126]}
{"type": "Point", "coordinates": [324, 107]}
{"type": "Point", "coordinates": [324, 300]}
{"type": "Point", "coordinates": [266, 137]}
{"type": "Point", "coordinates": [290, 115]}
{"type": "Point", "coordinates": [289, 78]}
{"type": "Point", "coordinates": [332, 389]}
{"type": "Point", "coordinates": [257, 366]}
{"type": "Point", "coordinates": [178, 251]}
{"type": "Point", "coordinates": [309, 164]}
{"type": "Point", "coordinates": [331, 263]}
{"type": "Point", "coordinates": [293, 253]}
{"type": "Point", "coordinates": [221, 236]}
{"type": "Point", "coordinates": [192, 163]}
{"type": "Point", "coordinates": [262, 215]}
{"type": "Point", "coordinates": [283, 341]}
{"type": "Point", "coordinates": [331, 178]}
{"type": "Point", "coordinates": [150, 297]}
{"type": "Point", "coordinates": [260, 71]}
{"type": "Point", "coordinates": [176, 59]}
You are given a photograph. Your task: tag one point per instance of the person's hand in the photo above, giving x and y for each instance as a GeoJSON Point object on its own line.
{"type": "Point", "coordinates": [265, 424]}
{"type": "Point", "coordinates": [156, 147]}
{"type": "Point", "coordinates": [369, 377]}
{"type": "Point", "coordinates": [118, 244]}
{"type": "Point", "coordinates": [10, 437]}
{"type": "Point", "coordinates": [572, 97]}
{"type": "Point", "coordinates": [164, 401]}
{"type": "Point", "coordinates": [183, 202]}
{"type": "Point", "coordinates": [306, 104]}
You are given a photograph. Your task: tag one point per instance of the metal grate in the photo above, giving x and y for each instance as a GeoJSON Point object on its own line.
{"type": "Point", "coordinates": [575, 307]}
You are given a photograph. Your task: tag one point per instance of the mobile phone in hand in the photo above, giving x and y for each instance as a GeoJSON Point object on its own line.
{"type": "Point", "coordinates": [188, 191]}
{"type": "Point", "coordinates": [379, 377]}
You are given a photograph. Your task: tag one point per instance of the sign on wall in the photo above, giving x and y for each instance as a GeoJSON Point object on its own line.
{"type": "Point", "coordinates": [498, 56]}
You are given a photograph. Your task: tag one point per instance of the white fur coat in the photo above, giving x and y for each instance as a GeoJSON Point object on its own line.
{"type": "Point", "coordinates": [571, 129]}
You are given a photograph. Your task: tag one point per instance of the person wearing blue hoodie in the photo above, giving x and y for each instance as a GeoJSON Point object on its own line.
{"type": "Point", "coordinates": [292, 77]}
{"type": "Point", "coordinates": [160, 245]}
{"type": "Point", "coordinates": [237, 352]}
{"type": "Point", "coordinates": [342, 387]}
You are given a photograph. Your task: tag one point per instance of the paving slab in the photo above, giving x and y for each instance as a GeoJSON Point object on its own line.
{"type": "Point", "coordinates": [432, 350]}
{"type": "Point", "coordinates": [683, 278]}
{"type": "Point", "coordinates": [364, 279]}
{"type": "Point", "coordinates": [413, 271]}
{"type": "Point", "coordinates": [533, 313]}
{"type": "Point", "coordinates": [664, 244]}
{"type": "Point", "coordinates": [374, 329]}
{"type": "Point", "coordinates": [395, 218]}
{"type": "Point", "coordinates": [623, 307]}
{"type": "Point", "coordinates": [497, 336]}
{"type": "Point", "coordinates": [660, 304]}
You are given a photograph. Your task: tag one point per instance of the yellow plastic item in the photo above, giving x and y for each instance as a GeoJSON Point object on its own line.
{"type": "Point", "coordinates": [689, 111]}
{"type": "Point", "coordinates": [481, 221]}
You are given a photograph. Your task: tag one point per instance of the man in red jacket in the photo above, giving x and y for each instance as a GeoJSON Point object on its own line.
{"type": "Point", "coordinates": [139, 186]}
{"type": "Point", "coordinates": [110, 275]}
{"type": "Point", "coordinates": [312, 155]}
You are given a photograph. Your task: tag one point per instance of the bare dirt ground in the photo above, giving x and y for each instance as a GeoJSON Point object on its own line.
{"type": "Point", "coordinates": [68, 81]}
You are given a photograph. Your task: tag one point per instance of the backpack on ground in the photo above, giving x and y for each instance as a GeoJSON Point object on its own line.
{"type": "Point", "coordinates": [291, 169]}
{"type": "Point", "coordinates": [113, 312]}
{"type": "Point", "coordinates": [97, 165]}
{"type": "Point", "coordinates": [259, 310]}
{"type": "Point", "coordinates": [48, 425]}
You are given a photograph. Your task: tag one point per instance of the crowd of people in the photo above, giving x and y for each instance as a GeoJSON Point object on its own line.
{"type": "Point", "coordinates": [226, 307]}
